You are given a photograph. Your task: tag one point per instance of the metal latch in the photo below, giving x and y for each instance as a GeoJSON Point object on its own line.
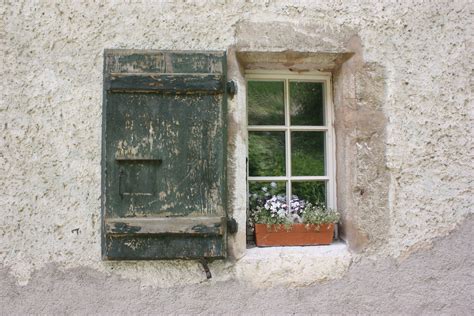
{"type": "Point", "coordinates": [205, 266]}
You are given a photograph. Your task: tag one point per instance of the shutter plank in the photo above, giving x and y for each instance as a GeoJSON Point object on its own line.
{"type": "Point", "coordinates": [150, 61]}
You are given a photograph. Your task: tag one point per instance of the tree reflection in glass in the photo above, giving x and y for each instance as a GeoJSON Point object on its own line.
{"type": "Point", "coordinates": [267, 153]}
{"type": "Point", "coordinates": [306, 103]}
{"type": "Point", "coordinates": [266, 105]}
{"type": "Point", "coordinates": [307, 154]}
{"type": "Point", "coordinates": [312, 192]}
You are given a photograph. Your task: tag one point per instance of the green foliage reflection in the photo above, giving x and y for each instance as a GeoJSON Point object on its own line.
{"type": "Point", "coordinates": [306, 103]}
{"type": "Point", "coordinates": [266, 153]}
{"type": "Point", "coordinates": [265, 103]}
{"type": "Point", "coordinates": [307, 153]}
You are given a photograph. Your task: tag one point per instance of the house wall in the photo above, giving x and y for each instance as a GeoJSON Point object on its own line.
{"type": "Point", "coordinates": [403, 102]}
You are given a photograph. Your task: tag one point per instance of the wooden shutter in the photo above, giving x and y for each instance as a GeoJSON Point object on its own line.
{"type": "Point", "coordinates": [164, 144]}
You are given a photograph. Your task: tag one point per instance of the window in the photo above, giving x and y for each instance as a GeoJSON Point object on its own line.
{"type": "Point", "coordinates": [291, 136]}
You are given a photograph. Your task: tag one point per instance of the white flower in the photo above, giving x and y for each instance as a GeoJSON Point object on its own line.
{"type": "Point", "coordinates": [264, 189]}
{"type": "Point", "coordinates": [273, 184]}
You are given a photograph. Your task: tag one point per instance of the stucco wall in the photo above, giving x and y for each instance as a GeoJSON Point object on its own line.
{"type": "Point", "coordinates": [430, 282]}
{"type": "Point", "coordinates": [413, 67]}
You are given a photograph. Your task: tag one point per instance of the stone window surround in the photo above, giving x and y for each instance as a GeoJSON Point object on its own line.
{"type": "Point", "coordinates": [346, 68]}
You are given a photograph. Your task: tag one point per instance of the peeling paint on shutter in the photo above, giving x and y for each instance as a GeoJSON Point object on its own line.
{"type": "Point", "coordinates": [164, 145]}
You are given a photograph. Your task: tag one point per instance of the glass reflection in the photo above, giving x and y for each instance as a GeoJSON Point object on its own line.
{"type": "Point", "coordinates": [266, 103]}
{"type": "Point", "coordinates": [306, 103]}
{"type": "Point", "coordinates": [266, 153]}
{"type": "Point", "coordinates": [313, 192]}
{"type": "Point", "coordinates": [307, 154]}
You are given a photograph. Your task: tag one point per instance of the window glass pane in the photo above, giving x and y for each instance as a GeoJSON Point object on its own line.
{"type": "Point", "coordinates": [313, 192]}
{"type": "Point", "coordinates": [307, 153]}
{"type": "Point", "coordinates": [306, 103]}
{"type": "Point", "coordinates": [266, 153]}
{"type": "Point", "coordinates": [266, 103]}
{"type": "Point", "coordinates": [260, 192]}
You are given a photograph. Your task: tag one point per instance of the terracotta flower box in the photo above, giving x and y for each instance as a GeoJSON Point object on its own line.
{"type": "Point", "coordinates": [295, 235]}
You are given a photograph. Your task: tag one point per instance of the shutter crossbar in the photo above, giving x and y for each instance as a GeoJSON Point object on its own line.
{"type": "Point", "coordinates": [167, 83]}
{"type": "Point", "coordinates": [166, 225]}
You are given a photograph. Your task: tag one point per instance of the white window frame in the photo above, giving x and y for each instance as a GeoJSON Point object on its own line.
{"type": "Point", "coordinates": [328, 128]}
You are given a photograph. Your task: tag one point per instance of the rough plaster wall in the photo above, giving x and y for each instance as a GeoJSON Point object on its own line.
{"type": "Point", "coordinates": [431, 282]}
{"type": "Point", "coordinates": [52, 97]}
{"type": "Point", "coordinates": [430, 108]}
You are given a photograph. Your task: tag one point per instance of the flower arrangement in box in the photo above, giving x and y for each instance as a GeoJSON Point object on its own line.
{"type": "Point", "coordinates": [301, 224]}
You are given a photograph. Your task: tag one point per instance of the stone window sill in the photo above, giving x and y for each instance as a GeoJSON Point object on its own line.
{"type": "Point", "coordinates": [294, 266]}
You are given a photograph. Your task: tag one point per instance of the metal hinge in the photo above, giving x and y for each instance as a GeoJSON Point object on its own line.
{"type": "Point", "coordinates": [231, 88]}
{"type": "Point", "coordinates": [232, 226]}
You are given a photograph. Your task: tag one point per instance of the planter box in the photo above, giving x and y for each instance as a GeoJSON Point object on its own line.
{"type": "Point", "coordinates": [295, 235]}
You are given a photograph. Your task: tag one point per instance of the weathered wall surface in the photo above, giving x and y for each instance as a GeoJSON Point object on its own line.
{"type": "Point", "coordinates": [418, 54]}
{"type": "Point", "coordinates": [431, 282]}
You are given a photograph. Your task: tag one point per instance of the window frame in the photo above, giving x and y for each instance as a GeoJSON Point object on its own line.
{"type": "Point", "coordinates": [330, 142]}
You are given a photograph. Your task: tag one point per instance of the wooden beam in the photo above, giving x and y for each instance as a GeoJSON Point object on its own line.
{"type": "Point", "coordinates": [166, 225]}
{"type": "Point", "coordinates": [167, 83]}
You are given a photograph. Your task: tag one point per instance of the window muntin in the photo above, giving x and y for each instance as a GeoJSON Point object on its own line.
{"type": "Point", "coordinates": [308, 166]}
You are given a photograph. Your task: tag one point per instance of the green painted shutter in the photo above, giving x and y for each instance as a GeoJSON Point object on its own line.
{"type": "Point", "coordinates": [164, 144]}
